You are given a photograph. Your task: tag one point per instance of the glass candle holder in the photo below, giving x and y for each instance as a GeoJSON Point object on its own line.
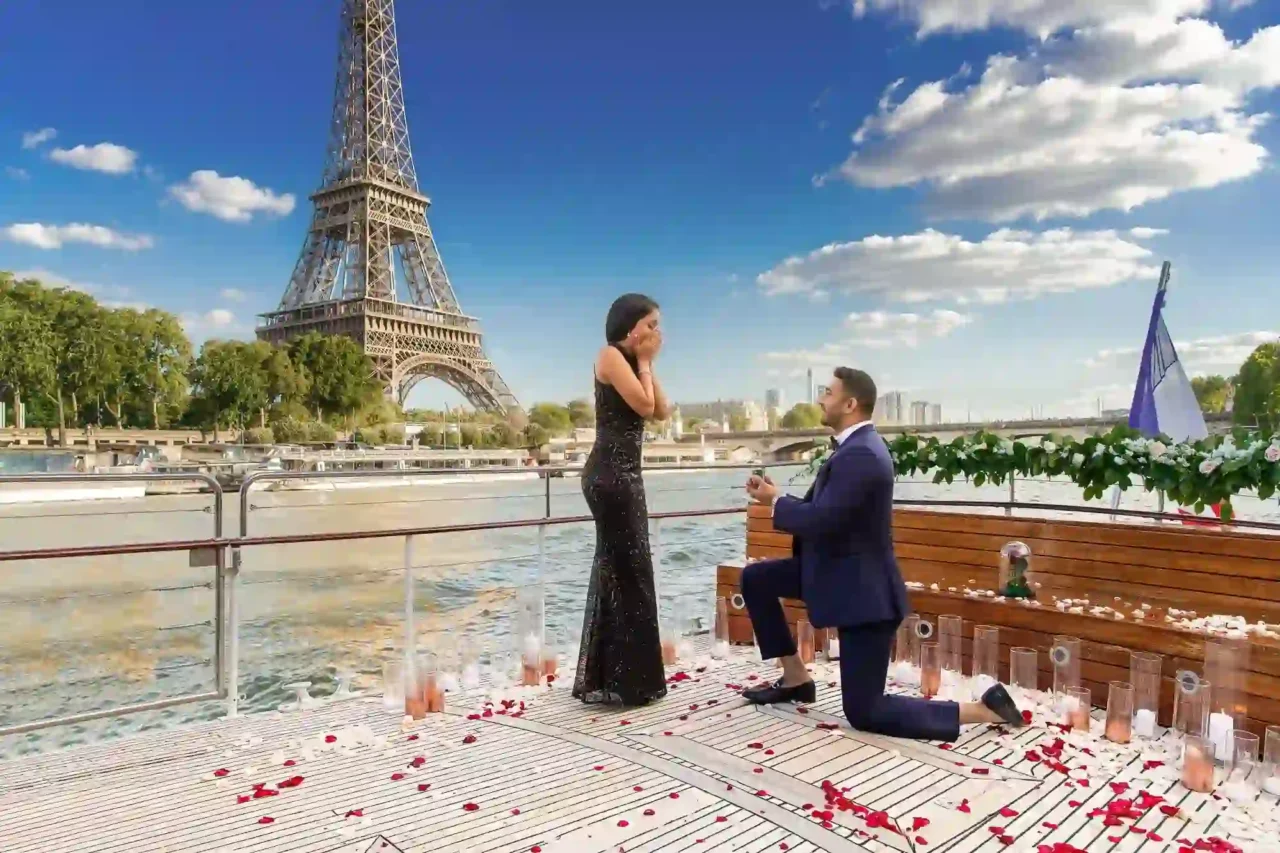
{"type": "Point", "coordinates": [393, 686]}
{"type": "Point", "coordinates": [1144, 675]}
{"type": "Point", "coordinates": [1271, 761]}
{"type": "Point", "coordinates": [720, 645]}
{"type": "Point", "coordinates": [951, 643]}
{"type": "Point", "coordinates": [805, 642]}
{"type": "Point", "coordinates": [670, 644]}
{"type": "Point", "coordinates": [1119, 727]}
{"type": "Point", "coordinates": [907, 645]}
{"type": "Point", "coordinates": [1225, 663]}
{"type": "Point", "coordinates": [1024, 668]}
{"type": "Point", "coordinates": [930, 670]}
{"type": "Point", "coordinates": [986, 655]}
{"type": "Point", "coordinates": [1197, 764]}
{"type": "Point", "coordinates": [1077, 704]}
{"type": "Point", "coordinates": [1243, 778]}
{"type": "Point", "coordinates": [1191, 704]}
{"type": "Point", "coordinates": [1065, 656]}
{"type": "Point", "coordinates": [469, 655]}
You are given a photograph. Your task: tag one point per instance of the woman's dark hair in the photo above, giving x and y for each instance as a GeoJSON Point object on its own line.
{"type": "Point", "coordinates": [625, 312]}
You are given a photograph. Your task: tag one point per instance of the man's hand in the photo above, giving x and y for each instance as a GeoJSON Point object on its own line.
{"type": "Point", "coordinates": [761, 489]}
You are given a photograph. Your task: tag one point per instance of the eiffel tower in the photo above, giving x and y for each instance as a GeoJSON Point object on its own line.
{"type": "Point", "coordinates": [370, 217]}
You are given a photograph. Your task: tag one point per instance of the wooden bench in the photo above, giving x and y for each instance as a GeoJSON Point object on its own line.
{"type": "Point", "coordinates": [1206, 570]}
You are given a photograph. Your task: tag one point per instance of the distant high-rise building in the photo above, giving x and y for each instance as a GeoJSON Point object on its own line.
{"type": "Point", "coordinates": [935, 413]}
{"type": "Point", "coordinates": [773, 398]}
{"type": "Point", "coordinates": [919, 413]}
{"type": "Point", "coordinates": [813, 397]}
{"type": "Point", "coordinates": [891, 409]}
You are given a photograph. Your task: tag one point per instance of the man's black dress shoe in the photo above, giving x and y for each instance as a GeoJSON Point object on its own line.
{"type": "Point", "coordinates": [998, 699]}
{"type": "Point", "coordinates": [775, 693]}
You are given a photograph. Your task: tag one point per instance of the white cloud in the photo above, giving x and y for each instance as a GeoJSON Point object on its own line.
{"type": "Point", "coordinates": [233, 199]}
{"type": "Point", "coordinates": [232, 294]}
{"type": "Point", "coordinates": [217, 322]}
{"type": "Point", "coordinates": [16, 173]}
{"type": "Point", "coordinates": [874, 330]}
{"type": "Point", "coordinates": [104, 157]}
{"type": "Point", "coordinates": [36, 138]}
{"type": "Point", "coordinates": [1038, 17]}
{"type": "Point", "coordinates": [931, 265]}
{"type": "Point", "coordinates": [56, 236]}
{"type": "Point", "coordinates": [881, 329]}
{"type": "Point", "coordinates": [1214, 354]}
{"type": "Point", "coordinates": [1133, 104]}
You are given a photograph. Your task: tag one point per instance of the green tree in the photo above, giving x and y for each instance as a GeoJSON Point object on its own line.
{"type": "Point", "coordinates": [26, 353]}
{"type": "Point", "coordinates": [1211, 393]}
{"type": "Point", "coordinates": [340, 375]}
{"type": "Point", "coordinates": [1257, 390]}
{"type": "Point", "coordinates": [159, 381]}
{"type": "Point", "coordinates": [536, 435]}
{"type": "Point", "coordinates": [581, 413]}
{"type": "Point", "coordinates": [229, 385]}
{"type": "Point", "coordinates": [503, 435]}
{"type": "Point", "coordinates": [802, 416]}
{"type": "Point", "coordinates": [551, 417]}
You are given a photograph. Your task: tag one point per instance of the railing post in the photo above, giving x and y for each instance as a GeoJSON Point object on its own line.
{"type": "Point", "coordinates": [410, 628]}
{"type": "Point", "coordinates": [546, 480]}
{"type": "Point", "coordinates": [233, 635]}
{"type": "Point", "coordinates": [1008, 511]}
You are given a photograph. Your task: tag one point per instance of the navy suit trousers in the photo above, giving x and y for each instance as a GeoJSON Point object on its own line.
{"type": "Point", "coordinates": [864, 660]}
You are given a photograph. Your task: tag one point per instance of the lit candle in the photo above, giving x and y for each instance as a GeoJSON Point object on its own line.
{"type": "Point", "coordinates": [1119, 730]}
{"type": "Point", "coordinates": [1197, 766]}
{"type": "Point", "coordinates": [669, 653]}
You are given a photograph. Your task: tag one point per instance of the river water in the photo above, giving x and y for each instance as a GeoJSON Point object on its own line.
{"type": "Point", "coordinates": [91, 633]}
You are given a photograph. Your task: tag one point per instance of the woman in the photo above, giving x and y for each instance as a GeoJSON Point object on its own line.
{"type": "Point", "coordinates": [620, 662]}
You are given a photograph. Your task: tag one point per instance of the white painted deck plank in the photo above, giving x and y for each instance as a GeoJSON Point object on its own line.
{"type": "Point", "coordinates": [148, 793]}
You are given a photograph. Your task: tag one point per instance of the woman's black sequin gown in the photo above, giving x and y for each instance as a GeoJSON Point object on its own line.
{"type": "Point", "coordinates": [620, 661]}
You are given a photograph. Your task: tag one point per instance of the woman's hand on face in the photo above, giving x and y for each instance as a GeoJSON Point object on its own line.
{"type": "Point", "coordinates": [648, 345]}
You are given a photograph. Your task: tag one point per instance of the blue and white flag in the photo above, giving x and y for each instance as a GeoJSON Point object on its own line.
{"type": "Point", "coordinates": [1163, 401]}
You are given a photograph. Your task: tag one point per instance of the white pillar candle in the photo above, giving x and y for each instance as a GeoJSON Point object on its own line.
{"type": "Point", "coordinates": [1272, 785]}
{"type": "Point", "coordinates": [532, 650]}
{"type": "Point", "coordinates": [720, 650]}
{"type": "Point", "coordinates": [833, 648]}
{"type": "Point", "coordinates": [1220, 727]}
{"type": "Point", "coordinates": [1144, 722]}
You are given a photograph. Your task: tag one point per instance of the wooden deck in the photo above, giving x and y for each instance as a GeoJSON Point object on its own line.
{"type": "Point", "coordinates": [698, 771]}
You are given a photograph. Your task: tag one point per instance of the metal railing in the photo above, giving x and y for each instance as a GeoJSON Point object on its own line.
{"type": "Point", "coordinates": [199, 550]}
{"type": "Point", "coordinates": [212, 551]}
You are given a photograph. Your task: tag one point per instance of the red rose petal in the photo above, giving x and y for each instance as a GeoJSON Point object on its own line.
{"type": "Point", "coordinates": [920, 840]}
{"type": "Point", "coordinates": [649, 812]}
{"type": "Point", "coordinates": [721, 819]}
{"type": "Point", "coordinates": [355, 813]}
{"type": "Point", "coordinates": [469, 807]}
{"type": "Point", "coordinates": [396, 777]}
{"type": "Point", "coordinates": [243, 798]}
{"type": "Point", "coordinates": [330, 738]}
{"type": "Point", "coordinates": [1006, 840]}
{"type": "Point", "coordinates": [1169, 811]}
{"type": "Point", "coordinates": [220, 772]}
{"type": "Point", "coordinates": [673, 795]}
{"type": "Point", "coordinates": [515, 811]}
{"type": "Point", "coordinates": [757, 769]}
{"type": "Point", "coordinates": [919, 823]}
{"type": "Point", "coordinates": [290, 763]}
{"type": "Point", "coordinates": [422, 789]}
{"type": "Point", "coordinates": [637, 789]}
{"type": "Point", "coordinates": [762, 793]}
{"type": "Point", "coordinates": [755, 745]}
{"type": "Point", "coordinates": [265, 820]}
{"type": "Point", "coordinates": [979, 771]}
{"type": "Point", "coordinates": [1026, 717]}
{"type": "Point", "coordinates": [469, 739]}
{"type": "Point", "coordinates": [1048, 825]}
{"type": "Point", "coordinates": [1008, 812]}
{"type": "Point", "coordinates": [412, 737]}
{"type": "Point", "coordinates": [623, 823]}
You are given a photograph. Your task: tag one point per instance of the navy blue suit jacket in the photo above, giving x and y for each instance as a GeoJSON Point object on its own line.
{"type": "Point", "coordinates": [843, 537]}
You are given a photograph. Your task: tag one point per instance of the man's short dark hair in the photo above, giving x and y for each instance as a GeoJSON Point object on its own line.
{"type": "Point", "coordinates": [860, 386]}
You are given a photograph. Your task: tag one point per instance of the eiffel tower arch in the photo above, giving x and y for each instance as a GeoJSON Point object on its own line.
{"type": "Point", "coordinates": [369, 221]}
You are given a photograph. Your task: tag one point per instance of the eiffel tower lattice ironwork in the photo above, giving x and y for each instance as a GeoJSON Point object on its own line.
{"type": "Point", "coordinates": [370, 219]}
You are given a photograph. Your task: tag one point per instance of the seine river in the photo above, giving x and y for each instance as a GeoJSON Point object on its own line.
{"type": "Point", "coordinates": [90, 633]}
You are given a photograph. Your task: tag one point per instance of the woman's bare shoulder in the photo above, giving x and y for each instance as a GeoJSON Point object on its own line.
{"type": "Point", "coordinates": [608, 360]}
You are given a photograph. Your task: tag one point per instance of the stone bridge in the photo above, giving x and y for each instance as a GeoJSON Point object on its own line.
{"type": "Point", "coordinates": [788, 445]}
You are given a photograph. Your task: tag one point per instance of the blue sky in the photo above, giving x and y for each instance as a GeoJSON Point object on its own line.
{"type": "Point", "coordinates": [576, 150]}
